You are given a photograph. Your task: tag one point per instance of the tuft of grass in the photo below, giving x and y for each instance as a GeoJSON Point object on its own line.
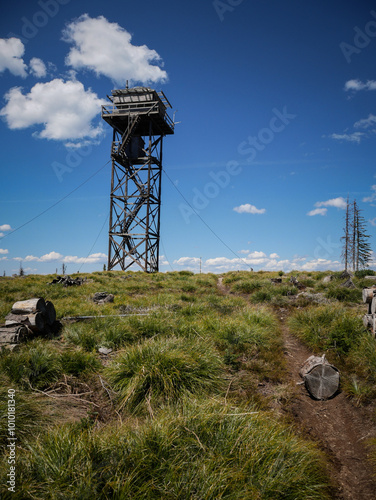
{"type": "Point", "coordinates": [78, 362]}
{"type": "Point", "coordinates": [327, 328]}
{"type": "Point", "coordinates": [162, 369]}
{"type": "Point", "coordinates": [344, 294]}
{"type": "Point", "coordinates": [202, 450]}
{"type": "Point", "coordinates": [38, 364]}
{"type": "Point", "coordinates": [35, 365]}
{"type": "Point", "coordinates": [30, 412]}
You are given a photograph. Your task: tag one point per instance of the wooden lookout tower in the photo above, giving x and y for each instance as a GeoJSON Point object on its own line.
{"type": "Point", "coordinates": [139, 120]}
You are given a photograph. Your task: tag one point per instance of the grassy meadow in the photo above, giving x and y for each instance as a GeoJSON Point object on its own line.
{"type": "Point", "coordinates": [189, 402]}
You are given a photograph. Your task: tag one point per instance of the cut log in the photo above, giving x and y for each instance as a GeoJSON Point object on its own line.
{"type": "Point", "coordinates": [35, 322]}
{"type": "Point", "coordinates": [320, 378]}
{"type": "Point", "coordinates": [50, 313]}
{"type": "Point", "coordinates": [369, 321]}
{"type": "Point", "coordinates": [373, 306]}
{"type": "Point", "coordinates": [29, 306]}
{"type": "Point", "coordinates": [12, 334]}
{"type": "Point", "coordinates": [370, 278]}
{"type": "Point", "coordinates": [368, 294]}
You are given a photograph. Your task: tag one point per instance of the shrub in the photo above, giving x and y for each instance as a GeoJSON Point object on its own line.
{"type": "Point", "coordinates": [162, 370]}
{"type": "Point", "coordinates": [344, 294]}
{"type": "Point", "coordinates": [365, 272]}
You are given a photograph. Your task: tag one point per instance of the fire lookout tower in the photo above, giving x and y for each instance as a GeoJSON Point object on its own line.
{"type": "Point", "coordinates": [139, 120]}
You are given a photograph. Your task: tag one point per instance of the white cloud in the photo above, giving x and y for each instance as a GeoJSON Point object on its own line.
{"type": "Point", "coordinates": [37, 67]}
{"type": "Point", "coordinates": [321, 265]}
{"type": "Point", "coordinates": [187, 261]}
{"type": "Point", "coordinates": [247, 208]}
{"type": "Point", "coordinates": [5, 227]}
{"type": "Point", "coordinates": [11, 52]}
{"type": "Point", "coordinates": [257, 255]}
{"type": "Point", "coordinates": [274, 256]}
{"type": "Point", "coordinates": [91, 259]}
{"type": "Point", "coordinates": [354, 137]}
{"type": "Point", "coordinates": [49, 257]}
{"type": "Point", "coordinates": [366, 122]}
{"type": "Point", "coordinates": [3, 251]}
{"type": "Point", "coordinates": [372, 198]}
{"type": "Point", "coordinates": [64, 109]}
{"type": "Point", "coordinates": [68, 259]}
{"type": "Point", "coordinates": [373, 222]}
{"type": "Point", "coordinates": [106, 49]}
{"type": "Point", "coordinates": [339, 202]}
{"type": "Point", "coordinates": [223, 264]}
{"type": "Point", "coordinates": [318, 211]}
{"type": "Point", "coordinates": [356, 85]}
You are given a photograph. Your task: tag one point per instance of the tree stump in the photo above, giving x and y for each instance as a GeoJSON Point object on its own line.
{"type": "Point", "coordinates": [321, 379]}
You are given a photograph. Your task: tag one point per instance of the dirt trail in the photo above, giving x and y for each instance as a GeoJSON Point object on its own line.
{"type": "Point", "coordinates": [340, 429]}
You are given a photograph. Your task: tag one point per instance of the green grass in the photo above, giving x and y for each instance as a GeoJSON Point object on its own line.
{"type": "Point", "coordinates": [31, 414]}
{"type": "Point", "coordinates": [163, 370]}
{"type": "Point", "coordinates": [185, 379]}
{"type": "Point", "coordinates": [328, 328]}
{"type": "Point", "coordinates": [203, 450]}
{"type": "Point", "coordinates": [39, 364]}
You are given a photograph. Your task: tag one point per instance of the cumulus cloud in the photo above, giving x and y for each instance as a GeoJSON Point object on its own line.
{"type": "Point", "coordinates": [274, 256]}
{"type": "Point", "coordinates": [5, 227]}
{"type": "Point", "coordinates": [3, 251]}
{"type": "Point", "coordinates": [11, 52]}
{"type": "Point", "coordinates": [68, 259]}
{"type": "Point", "coordinates": [247, 208]}
{"type": "Point", "coordinates": [38, 68]}
{"type": "Point", "coordinates": [106, 49]}
{"type": "Point", "coordinates": [317, 211]}
{"type": "Point", "coordinates": [48, 257]}
{"type": "Point", "coordinates": [339, 202]}
{"type": "Point", "coordinates": [64, 109]}
{"type": "Point", "coordinates": [354, 137]}
{"type": "Point", "coordinates": [94, 258]}
{"type": "Point", "coordinates": [187, 261]}
{"type": "Point", "coordinates": [357, 85]}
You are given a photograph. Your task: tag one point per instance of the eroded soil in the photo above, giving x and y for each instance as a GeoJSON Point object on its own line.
{"type": "Point", "coordinates": [340, 429]}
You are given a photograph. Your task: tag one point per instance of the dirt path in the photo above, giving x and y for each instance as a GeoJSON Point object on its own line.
{"type": "Point", "coordinates": [340, 429]}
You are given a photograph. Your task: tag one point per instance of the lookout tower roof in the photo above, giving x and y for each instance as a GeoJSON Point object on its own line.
{"type": "Point", "coordinates": [150, 105]}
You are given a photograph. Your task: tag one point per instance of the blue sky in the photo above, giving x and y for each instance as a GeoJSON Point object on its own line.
{"type": "Point", "coordinates": [276, 104]}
